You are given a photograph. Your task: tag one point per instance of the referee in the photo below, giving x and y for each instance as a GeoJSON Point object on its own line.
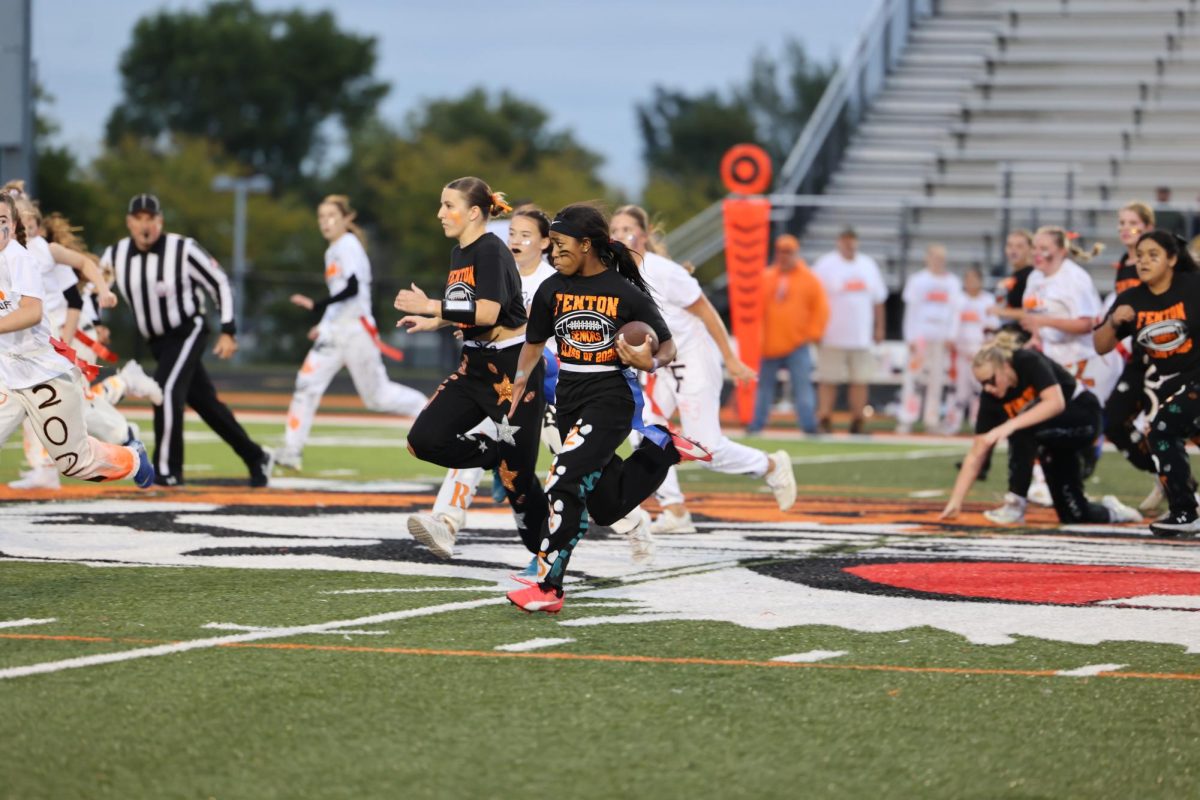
{"type": "Point", "coordinates": [161, 276]}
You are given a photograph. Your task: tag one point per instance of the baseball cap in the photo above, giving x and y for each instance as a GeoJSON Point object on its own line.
{"type": "Point", "coordinates": [145, 202]}
{"type": "Point", "coordinates": [787, 243]}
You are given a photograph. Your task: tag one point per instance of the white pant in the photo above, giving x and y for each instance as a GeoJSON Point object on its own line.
{"type": "Point", "coordinates": [347, 345]}
{"type": "Point", "coordinates": [55, 410]}
{"type": "Point", "coordinates": [691, 386]}
{"type": "Point", "coordinates": [928, 365]}
{"type": "Point", "coordinates": [965, 392]}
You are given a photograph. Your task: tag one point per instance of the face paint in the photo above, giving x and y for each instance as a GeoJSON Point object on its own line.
{"type": "Point", "coordinates": [456, 217]}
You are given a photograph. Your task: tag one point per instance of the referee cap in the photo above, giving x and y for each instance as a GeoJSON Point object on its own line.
{"type": "Point", "coordinates": [145, 202]}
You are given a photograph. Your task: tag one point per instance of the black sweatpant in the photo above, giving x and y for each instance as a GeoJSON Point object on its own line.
{"type": "Point", "coordinates": [587, 472]}
{"type": "Point", "coordinates": [482, 389]}
{"type": "Point", "coordinates": [1177, 420]}
{"type": "Point", "coordinates": [1127, 401]}
{"type": "Point", "coordinates": [1057, 443]}
{"type": "Point", "coordinates": [184, 381]}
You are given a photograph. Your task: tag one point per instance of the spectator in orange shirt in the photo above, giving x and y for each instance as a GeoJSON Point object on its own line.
{"type": "Point", "coordinates": [795, 311]}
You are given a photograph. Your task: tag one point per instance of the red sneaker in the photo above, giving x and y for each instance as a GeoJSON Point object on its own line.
{"type": "Point", "coordinates": [535, 598]}
{"type": "Point", "coordinates": [689, 449]}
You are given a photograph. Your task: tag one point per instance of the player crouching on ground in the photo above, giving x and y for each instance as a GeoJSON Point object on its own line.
{"type": "Point", "coordinates": [1046, 415]}
{"type": "Point", "coordinates": [38, 378]}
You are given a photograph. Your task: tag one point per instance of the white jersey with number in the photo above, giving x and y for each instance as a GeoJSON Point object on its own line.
{"type": "Point", "coordinates": [930, 303]}
{"type": "Point", "coordinates": [26, 357]}
{"type": "Point", "coordinates": [344, 259]}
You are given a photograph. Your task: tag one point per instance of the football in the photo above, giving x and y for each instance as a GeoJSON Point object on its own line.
{"type": "Point", "coordinates": [636, 332]}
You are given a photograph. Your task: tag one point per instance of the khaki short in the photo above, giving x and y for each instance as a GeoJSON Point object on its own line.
{"type": "Point", "coordinates": [840, 365]}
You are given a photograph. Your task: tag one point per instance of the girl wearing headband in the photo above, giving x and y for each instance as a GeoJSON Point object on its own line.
{"type": "Point", "coordinates": [598, 290]}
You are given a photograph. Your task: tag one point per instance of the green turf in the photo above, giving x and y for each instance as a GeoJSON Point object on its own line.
{"type": "Point", "coordinates": [258, 723]}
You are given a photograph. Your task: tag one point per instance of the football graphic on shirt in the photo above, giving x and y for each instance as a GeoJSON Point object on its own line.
{"type": "Point", "coordinates": [586, 331]}
{"type": "Point", "coordinates": [460, 290]}
{"type": "Point", "coordinates": [1163, 337]}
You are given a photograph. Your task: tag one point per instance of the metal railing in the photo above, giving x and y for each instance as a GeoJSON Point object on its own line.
{"type": "Point", "coordinates": [859, 78]}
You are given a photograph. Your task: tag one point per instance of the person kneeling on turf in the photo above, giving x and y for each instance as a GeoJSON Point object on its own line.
{"type": "Point", "coordinates": [1046, 415]}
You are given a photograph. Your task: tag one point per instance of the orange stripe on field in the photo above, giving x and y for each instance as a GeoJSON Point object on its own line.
{"type": "Point", "coordinates": [626, 659]}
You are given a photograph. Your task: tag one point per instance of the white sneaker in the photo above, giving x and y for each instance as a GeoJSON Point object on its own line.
{"type": "Point", "coordinates": [641, 540]}
{"type": "Point", "coordinates": [139, 384]}
{"type": "Point", "coordinates": [1154, 499]}
{"type": "Point", "coordinates": [434, 533]}
{"type": "Point", "coordinates": [38, 478]}
{"type": "Point", "coordinates": [782, 480]}
{"type": "Point", "coordinates": [1118, 511]}
{"type": "Point", "coordinates": [1011, 513]}
{"type": "Point", "coordinates": [670, 522]}
{"type": "Point", "coordinates": [1039, 493]}
{"type": "Point", "coordinates": [288, 459]}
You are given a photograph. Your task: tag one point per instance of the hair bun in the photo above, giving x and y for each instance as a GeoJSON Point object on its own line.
{"type": "Point", "coordinates": [499, 204]}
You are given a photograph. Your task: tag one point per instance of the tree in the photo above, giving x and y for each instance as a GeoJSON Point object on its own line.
{"type": "Point", "coordinates": [261, 85]}
{"type": "Point", "coordinates": [781, 108]}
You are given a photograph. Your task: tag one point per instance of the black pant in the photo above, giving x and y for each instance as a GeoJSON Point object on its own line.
{"type": "Point", "coordinates": [1057, 443]}
{"type": "Point", "coordinates": [482, 388]}
{"type": "Point", "coordinates": [588, 473]}
{"type": "Point", "coordinates": [1127, 401]}
{"type": "Point", "coordinates": [181, 374]}
{"type": "Point", "coordinates": [1177, 420]}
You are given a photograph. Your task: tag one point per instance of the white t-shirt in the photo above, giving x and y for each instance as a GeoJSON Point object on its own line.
{"type": "Point", "coordinates": [26, 357]}
{"type": "Point", "coordinates": [674, 289]}
{"type": "Point", "coordinates": [55, 278]}
{"type": "Point", "coordinates": [1068, 293]}
{"type": "Point", "coordinates": [854, 288]}
{"type": "Point", "coordinates": [345, 258]}
{"type": "Point", "coordinates": [530, 283]}
{"type": "Point", "coordinates": [930, 304]}
{"type": "Point", "coordinates": [973, 318]}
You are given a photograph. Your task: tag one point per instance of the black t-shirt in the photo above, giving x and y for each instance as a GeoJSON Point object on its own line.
{"type": "Point", "coordinates": [1126, 277]}
{"type": "Point", "coordinates": [1014, 287]}
{"type": "Point", "coordinates": [1162, 324]}
{"type": "Point", "coordinates": [584, 315]}
{"type": "Point", "coordinates": [1035, 373]}
{"type": "Point", "coordinates": [486, 270]}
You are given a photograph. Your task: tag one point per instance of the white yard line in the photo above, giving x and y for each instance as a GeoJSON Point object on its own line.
{"type": "Point", "coordinates": [414, 591]}
{"type": "Point", "coordinates": [532, 644]}
{"type": "Point", "coordinates": [21, 623]}
{"type": "Point", "coordinates": [1090, 670]}
{"type": "Point", "coordinates": [254, 636]}
{"type": "Point", "coordinates": [232, 626]}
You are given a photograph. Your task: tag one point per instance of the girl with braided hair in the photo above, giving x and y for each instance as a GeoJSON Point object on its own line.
{"type": "Point", "coordinates": [598, 290]}
{"type": "Point", "coordinates": [1046, 415]}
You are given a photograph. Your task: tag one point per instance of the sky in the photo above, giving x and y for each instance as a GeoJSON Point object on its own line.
{"type": "Point", "coordinates": [588, 64]}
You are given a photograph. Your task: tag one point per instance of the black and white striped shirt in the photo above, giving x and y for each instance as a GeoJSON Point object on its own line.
{"type": "Point", "coordinates": [163, 285]}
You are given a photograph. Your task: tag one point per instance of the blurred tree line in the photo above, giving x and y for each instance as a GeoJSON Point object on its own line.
{"type": "Point", "coordinates": [234, 90]}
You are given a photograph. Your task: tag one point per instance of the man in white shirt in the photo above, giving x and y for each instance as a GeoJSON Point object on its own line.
{"type": "Point", "coordinates": [856, 292]}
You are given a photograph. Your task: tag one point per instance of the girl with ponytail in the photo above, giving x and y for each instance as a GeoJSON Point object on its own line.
{"type": "Point", "coordinates": [1047, 416]}
{"type": "Point", "coordinates": [483, 301]}
{"type": "Point", "coordinates": [597, 291]}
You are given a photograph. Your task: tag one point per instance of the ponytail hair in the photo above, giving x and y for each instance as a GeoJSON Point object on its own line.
{"type": "Point", "coordinates": [999, 350]}
{"type": "Point", "coordinates": [1174, 246]}
{"type": "Point", "coordinates": [530, 211]}
{"type": "Point", "coordinates": [342, 203]}
{"type": "Point", "coordinates": [655, 242]}
{"type": "Point", "coordinates": [585, 222]}
{"type": "Point", "coordinates": [478, 193]}
{"type": "Point", "coordinates": [1066, 240]}
{"type": "Point", "coordinates": [60, 231]}
{"type": "Point", "coordinates": [18, 227]}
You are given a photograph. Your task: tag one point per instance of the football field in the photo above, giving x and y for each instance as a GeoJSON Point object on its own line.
{"type": "Point", "coordinates": [214, 641]}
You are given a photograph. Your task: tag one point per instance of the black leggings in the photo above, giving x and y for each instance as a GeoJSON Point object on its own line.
{"type": "Point", "coordinates": [1127, 401]}
{"type": "Point", "coordinates": [1177, 420]}
{"type": "Point", "coordinates": [482, 388]}
{"type": "Point", "coordinates": [588, 473]}
{"type": "Point", "coordinates": [1057, 443]}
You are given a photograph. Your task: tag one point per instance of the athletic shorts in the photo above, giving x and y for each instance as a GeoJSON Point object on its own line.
{"type": "Point", "coordinates": [842, 365]}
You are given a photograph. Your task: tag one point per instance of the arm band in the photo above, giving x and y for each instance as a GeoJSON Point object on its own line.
{"type": "Point", "coordinates": [319, 306]}
{"type": "Point", "coordinates": [459, 311]}
{"type": "Point", "coordinates": [74, 298]}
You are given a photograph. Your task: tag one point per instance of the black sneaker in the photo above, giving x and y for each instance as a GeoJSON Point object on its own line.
{"type": "Point", "coordinates": [1177, 523]}
{"type": "Point", "coordinates": [167, 480]}
{"type": "Point", "coordinates": [260, 472]}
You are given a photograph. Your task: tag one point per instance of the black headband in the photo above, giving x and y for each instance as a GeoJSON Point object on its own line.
{"type": "Point", "coordinates": [560, 225]}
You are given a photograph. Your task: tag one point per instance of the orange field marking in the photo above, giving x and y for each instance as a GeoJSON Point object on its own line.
{"type": "Point", "coordinates": [626, 659]}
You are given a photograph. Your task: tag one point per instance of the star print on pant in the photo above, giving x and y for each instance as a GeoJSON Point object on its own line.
{"type": "Point", "coordinates": [507, 476]}
{"type": "Point", "coordinates": [504, 391]}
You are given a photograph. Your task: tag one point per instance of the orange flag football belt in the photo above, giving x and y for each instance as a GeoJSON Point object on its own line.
{"type": "Point", "coordinates": [90, 371]}
{"type": "Point", "coordinates": [100, 350]}
{"type": "Point", "coordinates": [384, 347]}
